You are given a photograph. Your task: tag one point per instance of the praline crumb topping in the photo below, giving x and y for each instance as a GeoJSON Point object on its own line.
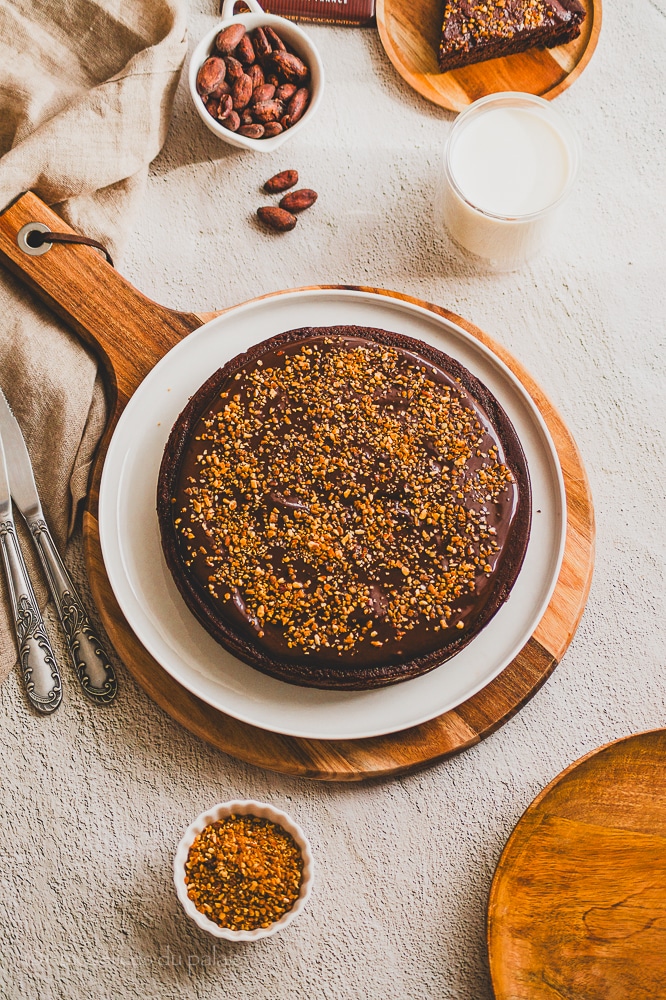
{"type": "Point", "coordinates": [494, 19]}
{"type": "Point", "coordinates": [244, 872]}
{"type": "Point", "coordinates": [341, 494]}
{"type": "Point", "coordinates": [474, 30]}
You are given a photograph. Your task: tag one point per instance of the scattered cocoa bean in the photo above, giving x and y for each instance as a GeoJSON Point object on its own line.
{"type": "Point", "coordinates": [271, 129]}
{"type": "Point", "coordinates": [285, 92]}
{"type": "Point", "coordinates": [245, 51]}
{"type": "Point", "coordinates": [298, 201]}
{"type": "Point", "coordinates": [251, 131]}
{"type": "Point", "coordinates": [231, 121]}
{"type": "Point", "coordinates": [297, 105]}
{"type": "Point", "coordinates": [256, 74]}
{"type": "Point", "coordinates": [275, 40]}
{"type": "Point", "coordinates": [289, 66]}
{"type": "Point", "coordinates": [211, 75]}
{"type": "Point", "coordinates": [262, 46]}
{"type": "Point", "coordinates": [241, 92]}
{"type": "Point", "coordinates": [268, 111]}
{"type": "Point", "coordinates": [277, 218]}
{"type": "Point", "coordinates": [281, 182]}
{"type": "Point", "coordinates": [228, 38]}
{"type": "Point", "coordinates": [265, 92]}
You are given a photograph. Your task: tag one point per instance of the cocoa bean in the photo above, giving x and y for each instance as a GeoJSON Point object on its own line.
{"type": "Point", "coordinates": [289, 66]}
{"type": "Point", "coordinates": [281, 182]}
{"type": "Point", "coordinates": [220, 91]}
{"type": "Point", "coordinates": [285, 122]}
{"type": "Point", "coordinates": [228, 38]}
{"type": "Point", "coordinates": [267, 111]}
{"type": "Point", "coordinates": [231, 121]}
{"type": "Point", "coordinates": [286, 91]}
{"type": "Point", "coordinates": [263, 93]}
{"type": "Point", "coordinates": [210, 75]}
{"type": "Point", "coordinates": [256, 74]}
{"type": "Point", "coordinates": [225, 106]}
{"type": "Point", "coordinates": [298, 104]}
{"type": "Point", "coordinates": [277, 218]}
{"type": "Point", "coordinates": [244, 51]}
{"type": "Point", "coordinates": [271, 129]}
{"type": "Point", "coordinates": [254, 131]}
{"type": "Point", "coordinates": [247, 118]}
{"type": "Point", "coordinates": [272, 78]}
{"type": "Point", "coordinates": [234, 70]}
{"type": "Point", "coordinates": [262, 46]}
{"type": "Point", "coordinates": [211, 106]}
{"type": "Point", "coordinates": [242, 92]}
{"type": "Point", "coordinates": [275, 40]}
{"type": "Point", "coordinates": [298, 201]}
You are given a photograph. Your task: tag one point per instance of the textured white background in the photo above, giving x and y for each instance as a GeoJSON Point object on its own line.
{"type": "Point", "coordinates": [92, 803]}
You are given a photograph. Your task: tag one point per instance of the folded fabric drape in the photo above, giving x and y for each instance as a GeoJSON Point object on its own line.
{"type": "Point", "coordinates": [86, 91]}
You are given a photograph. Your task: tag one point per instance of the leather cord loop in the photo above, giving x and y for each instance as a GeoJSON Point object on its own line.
{"type": "Point", "coordinates": [37, 239]}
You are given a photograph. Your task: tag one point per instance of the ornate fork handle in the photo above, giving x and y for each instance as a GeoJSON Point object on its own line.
{"type": "Point", "coordinates": [38, 663]}
{"type": "Point", "coordinates": [93, 668]}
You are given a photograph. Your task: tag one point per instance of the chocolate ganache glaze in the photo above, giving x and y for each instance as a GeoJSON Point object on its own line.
{"type": "Point", "coordinates": [344, 507]}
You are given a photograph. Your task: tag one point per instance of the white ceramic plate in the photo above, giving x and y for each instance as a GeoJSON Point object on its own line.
{"type": "Point", "coordinates": [153, 607]}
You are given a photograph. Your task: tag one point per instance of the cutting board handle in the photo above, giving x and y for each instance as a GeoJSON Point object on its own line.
{"type": "Point", "coordinates": [128, 332]}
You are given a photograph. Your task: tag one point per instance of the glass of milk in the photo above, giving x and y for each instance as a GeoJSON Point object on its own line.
{"type": "Point", "coordinates": [509, 164]}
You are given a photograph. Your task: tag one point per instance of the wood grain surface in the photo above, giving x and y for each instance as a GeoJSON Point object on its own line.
{"type": "Point", "coordinates": [410, 34]}
{"type": "Point", "coordinates": [130, 334]}
{"type": "Point", "coordinates": [578, 904]}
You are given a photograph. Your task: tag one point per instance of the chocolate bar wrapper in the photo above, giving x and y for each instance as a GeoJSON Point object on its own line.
{"type": "Point", "coordinates": [354, 12]}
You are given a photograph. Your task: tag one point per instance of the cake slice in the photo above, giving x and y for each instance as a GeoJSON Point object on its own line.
{"type": "Point", "coordinates": [475, 30]}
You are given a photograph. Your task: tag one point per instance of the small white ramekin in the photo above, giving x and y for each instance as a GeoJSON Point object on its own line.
{"type": "Point", "coordinates": [244, 807]}
{"type": "Point", "coordinates": [293, 36]}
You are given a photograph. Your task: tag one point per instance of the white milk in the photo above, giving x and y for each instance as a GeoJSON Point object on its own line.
{"type": "Point", "coordinates": [509, 161]}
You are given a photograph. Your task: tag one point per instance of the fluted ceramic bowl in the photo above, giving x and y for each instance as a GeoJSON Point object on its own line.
{"type": "Point", "coordinates": [244, 807]}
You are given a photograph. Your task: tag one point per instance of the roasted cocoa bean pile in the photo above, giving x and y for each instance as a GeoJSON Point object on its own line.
{"type": "Point", "coordinates": [254, 84]}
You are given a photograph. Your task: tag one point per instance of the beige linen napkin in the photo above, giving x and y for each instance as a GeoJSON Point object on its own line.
{"type": "Point", "coordinates": [86, 89]}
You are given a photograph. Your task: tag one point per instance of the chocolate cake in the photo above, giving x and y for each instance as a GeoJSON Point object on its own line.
{"type": "Point", "coordinates": [475, 30]}
{"type": "Point", "coordinates": [344, 507]}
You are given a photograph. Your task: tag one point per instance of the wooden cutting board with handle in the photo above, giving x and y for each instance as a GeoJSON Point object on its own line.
{"type": "Point", "coordinates": [129, 333]}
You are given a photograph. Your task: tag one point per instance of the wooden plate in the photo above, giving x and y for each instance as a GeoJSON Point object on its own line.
{"type": "Point", "coordinates": [578, 903]}
{"type": "Point", "coordinates": [410, 34]}
{"type": "Point", "coordinates": [130, 334]}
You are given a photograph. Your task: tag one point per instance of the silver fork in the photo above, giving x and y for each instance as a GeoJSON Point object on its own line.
{"type": "Point", "coordinates": [91, 663]}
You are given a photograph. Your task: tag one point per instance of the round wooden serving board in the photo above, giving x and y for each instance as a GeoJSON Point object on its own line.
{"type": "Point", "coordinates": [578, 903]}
{"type": "Point", "coordinates": [130, 334]}
{"type": "Point", "coordinates": [410, 34]}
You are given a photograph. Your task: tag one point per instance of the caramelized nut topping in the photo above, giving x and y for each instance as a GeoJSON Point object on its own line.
{"type": "Point", "coordinates": [344, 494]}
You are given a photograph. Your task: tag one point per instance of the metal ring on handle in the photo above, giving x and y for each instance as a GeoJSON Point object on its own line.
{"type": "Point", "coordinates": [22, 239]}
